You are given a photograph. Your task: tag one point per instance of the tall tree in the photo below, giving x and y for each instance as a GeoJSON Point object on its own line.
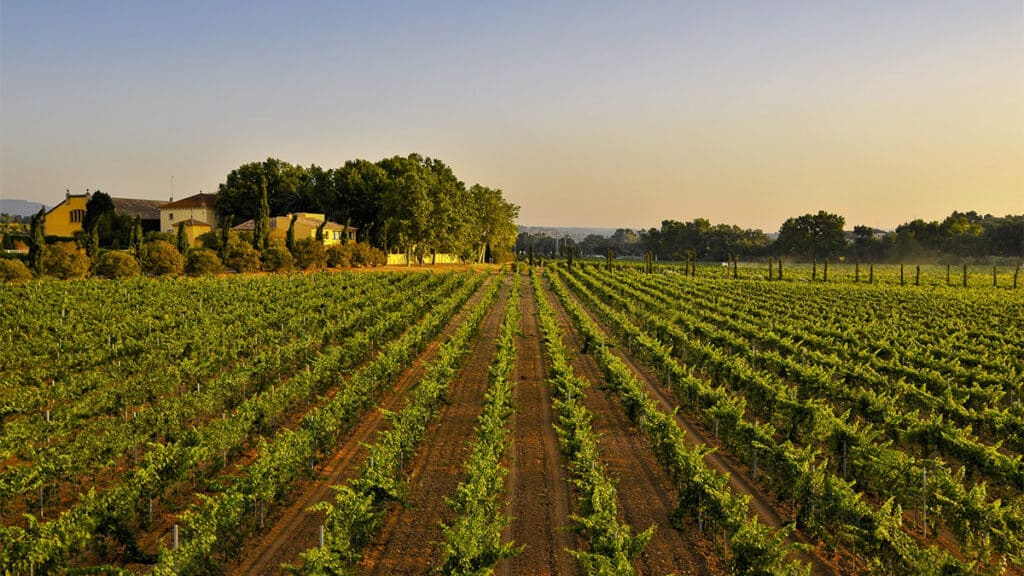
{"type": "Point", "coordinates": [289, 239]}
{"type": "Point", "coordinates": [182, 239]}
{"type": "Point", "coordinates": [37, 242]}
{"type": "Point", "coordinates": [261, 226]}
{"type": "Point", "coordinates": [493, 231]}
{"type": "Point", "coordinates": [136, 240]}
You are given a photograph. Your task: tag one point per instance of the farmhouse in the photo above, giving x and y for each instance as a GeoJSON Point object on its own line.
{"type": "Point", "coordinates": [199, 209]}
{"type": "Point", "coordinates": [306, 224]}
{"type": "Point", "coordinates": [65, 219]}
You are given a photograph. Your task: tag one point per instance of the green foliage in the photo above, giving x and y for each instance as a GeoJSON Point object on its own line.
{"type": "Point", "coordinates": [309, 254]}
{"type": "Point", "coordinates": [181, 241]}
{"type": "Point", "coordinates": [37, 242]}
{"type": "Point", "coordinates": [812, 236]}
{"type": "Point", "coordinates": [202, 262]}
{"type": "Point", "coordinates": [278, 259]}
{"type": "Point", "coordinates": [289, 238]}
{"type": "Point", "coordinates": [114, 264]}
{"type": "Point", "coordinates": [161, 258]}
{"type": "Point", "coordinates": [65, 260]}
{"type": "Point", "coordinates": [338, 256]}
{"type": "Point", "coordinates": [98, 205]}
{"type": "Point", "coordinates": [261, 230]}
{"type": "Point", "coordinates": [242, 257]}
{"type": "Point", "coordinates": [14, 271]}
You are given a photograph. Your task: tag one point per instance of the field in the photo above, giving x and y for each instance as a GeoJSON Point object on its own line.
{"type": "Point", "coordinates": [566, 421]}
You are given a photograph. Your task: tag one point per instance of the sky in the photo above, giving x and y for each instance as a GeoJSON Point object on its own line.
{"type": "Point", "coordinates": [601, 114]}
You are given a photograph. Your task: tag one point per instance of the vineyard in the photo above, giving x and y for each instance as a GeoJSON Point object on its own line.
{"type": "Point", "coordinates": [572, 420]}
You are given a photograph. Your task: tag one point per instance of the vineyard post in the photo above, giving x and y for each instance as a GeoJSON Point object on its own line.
{"type": "Point", "coordinates": [814, 269]}
{"type": "Point", "coordinates": [965, 275]}
{"type": "Point", "coordinates": [871, 273]}
{"type": "Point", "coordinates": [824, 276]}
{"type": "Point", "coordinates": [994, 282]}
{"type": "Point", "coordinates": [917, 276]}
{"type": "Point", "coordinates": [780, 268]}
{"type": "Point", "coordinates": [175, 547]}
{"type": "Point", "coordinates": [1016, 273]}
{"type": "Point", "coordinates": [856, 271]}
{"type": "Point", "coordinates": [321, 536]}
{"type": "Point", "coordinates": [770, 269]}
{"type": "Point", "coordinates": [924, 501]}
{"type": "Point", "coordinates": [947, 274]}
{"type": "Point", "coordinates": [901, 274]}
{"type": "Point", "coordinates": [735, 266]}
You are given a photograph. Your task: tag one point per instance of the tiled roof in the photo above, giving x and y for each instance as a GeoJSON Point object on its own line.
{"type": "Point", "coordinates": [196, 201]}
{"type": "Point", "coordinates": [145, 209]}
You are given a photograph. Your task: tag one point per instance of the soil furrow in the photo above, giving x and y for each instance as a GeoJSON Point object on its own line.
{"type": "Point", "coordinates": [409, 541]}
{"type": "Point", "coordinates": [646, 495]}
{"type": "Point", "coordinates": [541, 500]}
{"type": "Point", "coordinates": [292, 528]}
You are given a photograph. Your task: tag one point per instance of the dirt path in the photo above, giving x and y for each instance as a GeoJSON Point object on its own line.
{"type": "Point", "coordinates": [408, 542]}
{"type": "Point", "coordinates": [646, 496]}
{"type": "Point", "coordinates": [821, 560]}
{"type": "Point", "coordinates": [293, 529]}
{"type": "Point", "coordinates": [541, 500]}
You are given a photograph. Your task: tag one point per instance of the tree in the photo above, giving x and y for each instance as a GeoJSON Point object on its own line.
{"type": "Point", "coordinates": [37, 242]}
{"type": "Point", "coordinates": [812, 236]}
{"type": "Point", "coordinates": [181, 242]}
{"type": "Point", "coordinates": [136, 240]}
{"type": "Point", "coordinates": [493, 230]}
{"type": "Point", "coordinates": [261, 229]}
{"type": "Point", "coordinates": [98, 205]}
{"type": "Point", "coordinates": [242, 256]}
{"type": "Point", "coordinates": [278, 259]}
{"type": "Point", "coordinates": [286, 185]}
{"type": "Point", "coordinates": [289, 239]}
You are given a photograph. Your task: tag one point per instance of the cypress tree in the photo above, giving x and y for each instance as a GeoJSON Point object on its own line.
{"type": "Point", "coordinates": [37, 242]}
{"type": "Point", "coordinates": [135, 243]}
{"type": "Point", "coordinates": [289, 240]}
{"type": "Point", "coordinates": [182, 240]}
{"type": "Point", "coordinates": [261, 227]}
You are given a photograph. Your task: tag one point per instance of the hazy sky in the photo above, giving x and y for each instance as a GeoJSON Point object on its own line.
{"type": "Point", "coordinates": [611, 114]}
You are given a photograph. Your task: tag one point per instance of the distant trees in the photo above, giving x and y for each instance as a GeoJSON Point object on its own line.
{"type": "Point", "coordinates": [411, 204]}
{"type": "Point", "coordinates": [812, 236]}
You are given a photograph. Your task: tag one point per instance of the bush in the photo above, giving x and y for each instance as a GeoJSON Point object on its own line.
{"type": "Point", "coordinates": [65, 260]}
{"type": "Point", "coordinates": [161, 258]}
{"type": "Point", "coordinates": [339, 255]}
{"type": "Point", "coordinates": [309, 254]}
{"type": "Point", "coordinates": [277, 259]}
{"type": "Point", "coordinates": [365, 255]}
{"type": "Point", "coordinates": [243, 257]}
{"type": "Point", "coordinates": [116, 265]}
{"type": "Point", "coordinates": [202, 262]}
{"type": "Point", "coordinates": [14, 271]}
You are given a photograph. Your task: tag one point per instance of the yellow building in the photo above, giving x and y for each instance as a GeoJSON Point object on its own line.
{"type": "Point", "coordinates": [306, 224]}
{"type": "Point", "coordinates": [199, 207]}
{"type": "Point", "coordinates": [193, 230]}
{"type": "Point", "coordinates": [66, 218]}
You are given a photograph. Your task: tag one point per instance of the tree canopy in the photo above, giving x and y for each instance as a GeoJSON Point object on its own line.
{"type": "Point", "coordinates": [411, 204]}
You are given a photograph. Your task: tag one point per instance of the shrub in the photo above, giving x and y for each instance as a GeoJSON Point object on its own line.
{"type": "Point", "coordinates": [116, 265]}
{"type": "Point", "coordinates": [277, 259]}
{"type": "Point", "coordinates": [339, 255]}
{"type": "Point", "coordinates": [243, 257]}
{"type": "Point", "coordinates": [65, 260]}
{"type": "Point", "coordinates": [365, 255]}
{"type": "Point", "coordinates": [161, 258]}
{"type": "Point", "coordinates": [309, 254]}
{"type": "Point", "coordinates": [202, 261]}
{"type": "Point", "coordinates": [14, 271]}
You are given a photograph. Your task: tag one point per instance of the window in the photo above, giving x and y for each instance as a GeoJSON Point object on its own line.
{"type": "Point", "coordinates": [170, 215]}
{"type": "Point", "coordinates": [77, 215]}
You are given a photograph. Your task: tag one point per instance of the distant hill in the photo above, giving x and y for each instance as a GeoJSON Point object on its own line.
{"type": "Point", "coordinates": [577, 234]}
{"type": "Point", "coordinates": [19, 207]}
